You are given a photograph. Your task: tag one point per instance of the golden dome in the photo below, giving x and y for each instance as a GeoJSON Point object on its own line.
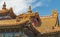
{"type": "Point", "coordinates": [3, 11]}
{"type": "Point", "coordinates": [4, 6]}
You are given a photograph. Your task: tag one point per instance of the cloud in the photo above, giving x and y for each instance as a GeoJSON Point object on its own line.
{"type": "Point", "coordinates": [38, 4]}
{"type": "Point", "coordinates": [19, 6]}
{"type": "Point", "coordinates": [30, 1]}
{"type": "Point", "coordinates": [47, 5]}
{"type": "Point", "coordinates": [47, 0]}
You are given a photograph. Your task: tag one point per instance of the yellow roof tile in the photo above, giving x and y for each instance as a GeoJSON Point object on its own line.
{"type": "Point", "coordinates": [46, 25]}
{"type": "Point", "coordinates": [12, 22]}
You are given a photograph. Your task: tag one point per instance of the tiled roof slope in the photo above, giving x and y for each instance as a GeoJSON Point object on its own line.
{"type": "Point", "coordinates": [48, 24]}
{"type": "Point", "coordinates": [12, 22]}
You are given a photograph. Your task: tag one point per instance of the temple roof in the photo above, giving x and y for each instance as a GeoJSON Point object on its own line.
{"type": "Point", "coordinates": [3, 11]}
{"type": "Point", "coordinates": [12, 22]}
{"type": "Point", "coordinates": [47, 25]}
{"type": "Point", "coordinates": [7, 12]}
{"type": "Point", "coordinates": [4, 8]}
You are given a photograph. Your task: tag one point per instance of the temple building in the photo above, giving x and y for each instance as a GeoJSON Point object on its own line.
{"type": "Point", "coordinates": [7, 13]}
{"type": "Point", "coordinates": [28, 24]}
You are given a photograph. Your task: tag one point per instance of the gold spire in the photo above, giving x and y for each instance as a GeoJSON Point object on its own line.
{"type": "Point", "coordinates": [4, 6]}
{"type": "Point", "coordinates": [29, 9]}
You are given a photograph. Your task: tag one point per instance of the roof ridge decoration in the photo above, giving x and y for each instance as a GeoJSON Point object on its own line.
{"type": "Point", "coordinates": [4, 6]}
{"type": "Point", "coordinates": [29, 9]}
{"type": "Point", "coordinates": [54, 13]}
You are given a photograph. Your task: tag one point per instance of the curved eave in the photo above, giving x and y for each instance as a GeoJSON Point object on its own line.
{"type": "Point", "coordinates": [12, 22]}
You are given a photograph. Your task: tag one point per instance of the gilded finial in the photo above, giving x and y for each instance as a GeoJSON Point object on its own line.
{"type": "Point", "coordinates": [54, 11]}
{"type": "Point", "coordinates": [29, 9]}
{"type": "Point", "coordinates": [4, 6]}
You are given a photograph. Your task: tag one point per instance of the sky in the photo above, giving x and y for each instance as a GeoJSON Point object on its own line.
{"type": "Point", "coordinates": [44, 7]}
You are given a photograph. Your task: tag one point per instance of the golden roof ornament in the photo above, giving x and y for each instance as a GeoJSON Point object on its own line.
{"type": "Point", "coordinates": [29, 9]}
{"type": "Point", "coordinates": [4, 6]}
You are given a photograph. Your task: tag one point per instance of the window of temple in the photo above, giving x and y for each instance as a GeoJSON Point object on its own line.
{"type": "Point", "coordinates": [7, 34]}
{"type": "Point", "coordinates": [13, 34]}
{"type": "Point", "coordinates": [5, 17]}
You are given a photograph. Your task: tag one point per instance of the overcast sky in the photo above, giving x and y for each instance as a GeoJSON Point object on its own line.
{"type": "Point", "coordinates": [44, 7]}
